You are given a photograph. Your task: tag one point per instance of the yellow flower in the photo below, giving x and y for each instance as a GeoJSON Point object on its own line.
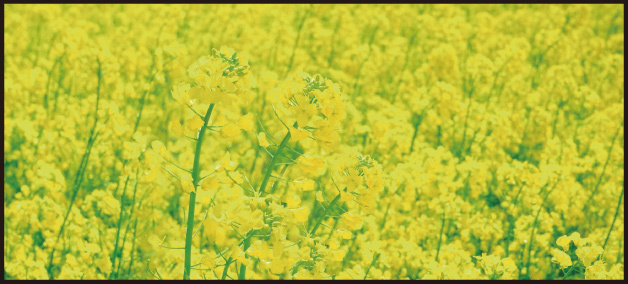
{"type": "Point", "coordinates": [333, 244]}
{"type": "Point", "coordinates": [259, 249]}
{"type": "Point", "coordinates": [257, 219]}
{"type": "Point", "coordinates": [488, 262]}
{"type": "Point", "coordinates": [298, 134]}
{"type": "Point", "coordinates": [596, 271]}
{"type": "Point", "coordinates": [310, 164]}
{"type": "Point", "coordinates": [563, 241]}
{"type": "Point", "coordinates": [261, 137]}
{"type": "Point", "coordinates": [345, 234]}
{"type": "Point", "coordinates": [160, 149]}
{"type": "Point", "coordinates": [319, 196]}
{"type": "Point", "coordinates": [226, 163]}
{"type": "Point", "coordinates": [227, 51]}
{"type": "Point", "coordinates": [278, 265]}
{"type": "Point", "coordinates": [352, 221]}
{"type": "Point", "coordinates": [187, 186]}
{"type": "Point", "coordinates": [201, 94]}
{"type": "Point", "coordinates": [230, 130]}
{"type": "Point", "coordinates": [209, 260]}
{"type": "Point", "coordinates": [292, 201]}
{"type": "Point", "coordinates": [179, 92]}
{"type": "Point", "coordinates": [177, 128]}
{"type": "Point", "coordinates": [194, 123]}
{"type": "Point", "coordinates": [239, 255]}
{"type": "Point", "coordinates": [110, 205]}
{"type": "Point", "coordinates": [132, 150]}
{"type": "Point", "coordinates": [246, 122]}
{"type": "Point", "coordinates": [210, 183]}
{"type": "Point", "coordinates": [302, 214]}
{"type": "Point", "coordinates": [305, 184]}
{"type": "Point", "coordinates": [338, 255]}
{"type": "Point", "coordinates": [561, 258]}
{"type": "Point", "coordinates": [345, 196]}
{"type": "Point", "coordinates": [589, 254]}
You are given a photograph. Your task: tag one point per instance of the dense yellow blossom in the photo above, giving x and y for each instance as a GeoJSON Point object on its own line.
{"type": "Point", "coordinates": [314, 141]}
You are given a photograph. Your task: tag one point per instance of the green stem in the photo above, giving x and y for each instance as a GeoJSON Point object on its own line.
{"type": "Point", "coordinates": [535, 225]}
{"type": "Point", "coordinates": [599, 181]}
{"type": "Point", "coordinates": [283, 170]}
{"type": "Point", "coordinates": [440, 237]}
{"type": "Point", "coordinates": [195, 179]}
{"type": "Point", "coordinates": [347, 257]}
{"type": "Point", "coordinates": [464, 128]}
{"type": "Point", "coordinates": [247, 244]}
{"type": "Point", "coordinates": [224, 271]}
{"type": "Point", "coordinates": [128, 226]}
{"type": "Point", "coordinates": [381, 225]}
{"type": "Point", "coordinates": [614, 218]}
{"type": "Point", "coordinates": [273, 161]}
{"type": "Point", "coordinates": [81, 170]}
{"type": "Point", "coordinates": [320, 220]}
{"type": "Point", "coordinates": [416, 131]}
{"type": "Point", "coordinates": [359, 73]}
{"type": "Point", "coordinates": [296, 41]}
{"type": "Point", "coordinates": [128, 272]}
{"type": "Point", "coordinates": [372, 263]}
{"type": "Point", "coordinates": [115, 248]}
{"type": "Point", "coordinates": [570, 269]}
{"type": "Point", "coordinates": [188, 237]}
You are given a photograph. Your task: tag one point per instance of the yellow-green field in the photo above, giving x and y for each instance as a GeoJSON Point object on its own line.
{"type": "Point", "coordinates": [313, 141]}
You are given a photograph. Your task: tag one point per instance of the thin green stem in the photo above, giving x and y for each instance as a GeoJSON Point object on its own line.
{"type": "Point", "coordinates": [570, 269]}
{"type": "Point", "coordinates": [535, 225]}
{"type": "Point", "coordinates": [599, 181]}
{"type": "Point", "coordinates": [320, 220]}
{"type": "Point", "coordinates": [195, 178]}
{"type": "Point", "coordinates": [283, 170]}
{"type": "Point", "coordinates": [440, 237]}
{"type": "Point", "coordinates": [224, 271]}
{"type": "Point", "coordinates": [416, 131]}
{"type": "Point", "coordinates": [272, 162]}
{"type": "Point", "coordinates": [296, 41]}
{"type": "Point", "coordinates": [115, 248]}
{"type": "Point", "coordinates": [128, 272]}
{"type": "Point", "coordinates": [372, 263]}
{"type": "Point", "coordinates": [128, 226]}
{"type": "Point", "coordinates": [247, 244]}
{"type": "Point", "coordinates": [621, 196]}
{"type": "Point", "coordinates": [269, 171]}
{"type": "Point", "coordinates": [80, 172]}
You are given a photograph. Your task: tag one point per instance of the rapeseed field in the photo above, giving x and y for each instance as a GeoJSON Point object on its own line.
{"type": "Point", "coordinates": [313, 141]}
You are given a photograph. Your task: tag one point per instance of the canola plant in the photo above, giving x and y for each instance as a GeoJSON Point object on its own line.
{"type": "Point", "coordinates": [313, 141]}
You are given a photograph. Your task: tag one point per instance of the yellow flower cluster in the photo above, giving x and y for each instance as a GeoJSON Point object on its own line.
{"type": "Point", "coordinates": [588, 258]}
{"type": "Point", "coordinates": [314, 141]}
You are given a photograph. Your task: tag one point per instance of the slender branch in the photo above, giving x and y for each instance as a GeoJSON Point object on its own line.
{"type": "Point", "coordinates": [535, 223]}
{"type": "Point", "coordinates": [170, 172]}
{"type": "Point", "coordinates": [440, 237]}
{"type": "Point", "coordinates": [272, 163]}
{"type": "Point", "coordinates": [115, 248]}
{"type": "Point", "coordinates": [191, 108]}
{"type": "Point", "coordinates": [224, 271]}
{"type": "Point", "coordinates": [180, 167]}
{"type": "Point", "coordinates": [320, 220]}
{"type": "Point", "coordinates": [195, 178]}
{"type": "Point", "coordinates": [599, 181]}
{"type": "Point", "coordinates": [614, 218]}
{"type": "Point", "coordinates": [80, 172]}
{"type": "Point", "coordinates": [372, 263]}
